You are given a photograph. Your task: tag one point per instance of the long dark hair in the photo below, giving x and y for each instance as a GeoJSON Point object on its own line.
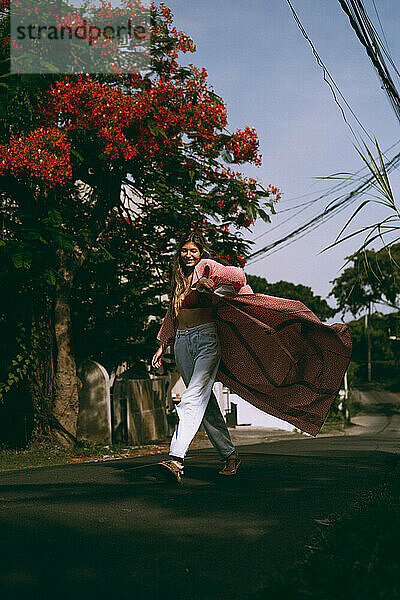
{"type": "Point", "coordinates": [180, 281]}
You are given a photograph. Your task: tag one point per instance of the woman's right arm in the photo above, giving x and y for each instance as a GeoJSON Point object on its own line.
{"type": "Point", "coordinates": [156, 360]}
{"type": "Point", "coordinates": [166, 334]}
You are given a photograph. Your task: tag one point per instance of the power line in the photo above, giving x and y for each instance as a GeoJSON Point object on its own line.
{"type": "Point", "coordinates": [366, 33]}
{"type": "Point", "coordinates": [340, 204]}
{"type": "Point", "coordinates": [380, 24]}
{"type": "Point", "coordinates": [370, 39]}
{"type": "Point", "coordinates": [323, 196]}
{"type": "Point", "coordinates": [385, 48]}
{"type": "Point", "coordinates": [330, 81]}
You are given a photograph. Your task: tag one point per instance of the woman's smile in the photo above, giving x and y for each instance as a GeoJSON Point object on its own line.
{"type": "Point", "coordinates": [190, 254]}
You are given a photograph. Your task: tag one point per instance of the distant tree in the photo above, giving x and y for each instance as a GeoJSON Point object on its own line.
{"type": "Point", "coordinates": [285, 289]}
{"type": "Point", "coordinates": [385, 351]}
{"type": "Point", "coordinates": [374, 277]}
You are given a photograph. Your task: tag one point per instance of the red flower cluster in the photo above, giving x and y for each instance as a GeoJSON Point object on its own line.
{"type": "Point", "coordinates": [86, 104]}
{"type": "Point", "coordinates": [106, 46]}
{"type": "Point", "coordinates": [274, 190]}
{"type": "Point", "coordinates": [117, 144]}
{"type": "Point", "coordinates": [244, 146]}
{"type": "Point", "coordinates": [177, 108]}
{"type": "Point", "coordinates": [247, 221]}
{"type": "Point", "coordinates": [228, 206]}
{"type": "Point", "coordinates": [220, 255]}
{"type": "Point", "coordinates": [159, 116]}
{"type": "Point", "coordinates": [181, 41]}
{"type": "Point", "coordinates": [228, 257]}
{"type": "Point", "coordinates": [42, 153]}
{"type": "Point", "coordinates": [146, 119]}
{"type": "Point", "coordinates": [165, 11]}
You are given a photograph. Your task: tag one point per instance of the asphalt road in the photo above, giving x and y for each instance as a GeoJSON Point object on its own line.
{"type": "Point", "coordinates": [116, 530]}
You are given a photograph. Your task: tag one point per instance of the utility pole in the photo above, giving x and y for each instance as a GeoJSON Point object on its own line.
{"type": "Point", "coordinates": [368, 329]}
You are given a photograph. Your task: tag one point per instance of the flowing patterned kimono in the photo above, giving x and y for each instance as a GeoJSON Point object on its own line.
{"type": "Point", "coordinates": [276, 353]}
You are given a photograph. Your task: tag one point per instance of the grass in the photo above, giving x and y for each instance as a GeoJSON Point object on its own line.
{"type": "Point", "coordinates": [41, 455]}
{"type": "Point", "coordinates": [332, 425]}
{"type": "Point", "coordinates": [335, 423]}
{"type": "Point", "coordinates": [353, 555]}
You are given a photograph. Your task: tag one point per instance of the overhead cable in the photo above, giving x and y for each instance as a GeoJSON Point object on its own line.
{"type": "Point", "coordinates": [367, 35]}
{"type": "Point", "coordinates": [329, 79]}
{"type": "Point", "coordinates": [338, 204]}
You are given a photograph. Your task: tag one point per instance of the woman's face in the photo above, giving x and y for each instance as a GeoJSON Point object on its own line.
{"type": "Point", "coordinates": [190, 254]}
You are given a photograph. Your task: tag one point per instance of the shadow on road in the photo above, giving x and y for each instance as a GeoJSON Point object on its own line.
{"type": "Point", "coordinates": [119, 530]}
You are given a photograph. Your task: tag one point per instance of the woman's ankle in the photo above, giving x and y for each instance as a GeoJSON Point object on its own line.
{"type": "Point", "coordinates": [177, 459]}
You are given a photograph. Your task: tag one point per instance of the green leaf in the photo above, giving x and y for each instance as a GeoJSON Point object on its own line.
{"type": "Point", "coordinates": [155, 129]}
{"type": "Point", "coordinates": [227, 156]}
{"type": "Point", "coordinates": [152, 127]}
{"type": "Point", "coordinates": [67, 244]}
{"type": "Point", "coordinates": [360, 207]}
{"type": "Point", "coordinates": [106, 251]}
{"type": "Point", "coordinates": [217, 99]}
{"type": "Point", "coordinates": [162, 132]}
{"type": "Point", "coordinates": [77, 154]}
{"type": "Point", "coordinates": [55, 217]}
{"type": "Point", "coordinates": [49, 66]}
{"type": "Point", "coordinates": [251, 211]}
{"type": "Point", "coordinates": [50, 276]}
{"type": "Point", "coordinates": [17, 260]}
{"type": "Point", "coordinates": [265, 216]}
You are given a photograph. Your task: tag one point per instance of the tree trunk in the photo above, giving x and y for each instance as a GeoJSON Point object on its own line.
{"type": "Point", "coordinates": [66, 401]}
{"type": "Point", "coordinates": [41, 377]}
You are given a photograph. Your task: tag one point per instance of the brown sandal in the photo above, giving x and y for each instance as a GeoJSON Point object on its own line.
{"type": "Point", "coordinates": [172, 470]}
{"type": "Point", "coordinates": [230, 470]}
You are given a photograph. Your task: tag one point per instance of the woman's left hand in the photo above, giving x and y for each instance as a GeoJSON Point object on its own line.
{"type": "Point", "coordinates": [205, 285]}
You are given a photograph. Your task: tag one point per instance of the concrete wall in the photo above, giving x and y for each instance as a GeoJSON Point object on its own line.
{"type": "Point", "coordinates": [141, 410]}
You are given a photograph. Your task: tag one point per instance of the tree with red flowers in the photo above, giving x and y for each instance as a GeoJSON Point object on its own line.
{"type": "Point", "coordinates": [127, 159]}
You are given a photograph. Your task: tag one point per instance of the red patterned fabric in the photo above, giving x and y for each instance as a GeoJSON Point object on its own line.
{"type": "Point", "coordinates": [276, 353]}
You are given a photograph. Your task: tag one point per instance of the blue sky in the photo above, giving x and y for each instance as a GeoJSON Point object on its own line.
{"type": "Point", "coordinates": [259, 62]}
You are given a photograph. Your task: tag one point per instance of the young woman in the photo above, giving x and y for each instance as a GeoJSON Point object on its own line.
{"type": "Point", "coordinates": [273, 352]}
{"type": "Point", "coordinates": [197, 353]}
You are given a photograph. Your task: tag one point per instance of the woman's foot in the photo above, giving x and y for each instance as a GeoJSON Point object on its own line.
{"type": "Point", "coordinates": [173, 469]}
{"type": "Point", "coordinates": [232, 463]}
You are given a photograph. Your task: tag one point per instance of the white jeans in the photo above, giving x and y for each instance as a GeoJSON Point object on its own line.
{"type": "Point", "coordinates": [197, 355]}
